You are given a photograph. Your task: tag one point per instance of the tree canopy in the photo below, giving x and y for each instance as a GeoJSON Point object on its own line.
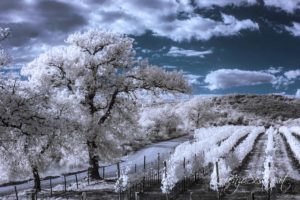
{"type": "Point", "coordinates": [97, 74]}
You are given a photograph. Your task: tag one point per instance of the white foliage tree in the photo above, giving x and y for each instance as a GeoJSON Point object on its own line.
{"type": "Point", "coordinates": [201, 112]}
{"type": "Point", "coordinates": [32, 134]}
{"type": "Point", "coordinates": [162, 122]}
{"type": "Point", "coordinates": [98, 75]}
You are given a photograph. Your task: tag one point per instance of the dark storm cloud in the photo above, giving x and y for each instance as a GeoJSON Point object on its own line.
{"type": "Point", "coordinates": [50, 21]}
{"type": "Point", "coordinates": [21, 33]}
{"type": "Point", "coordinates": [126, 14]}
{"type": "Point", "coordinates": [10, 8]}
{"type": "Point", "coordinates": [99, 2]}
{"type": "Point", "coordinates": [168, 18]}
{"type": "Point", "coordinates": [38, 22]}
{"type": "Point", "coordinates": [9, 5]}
{"type": "Point", "coordinates": [112, 16]}
{"type": "Point", "coordinates": [58, 16]}
{"type": "Point", "coordinates": [153, 4]}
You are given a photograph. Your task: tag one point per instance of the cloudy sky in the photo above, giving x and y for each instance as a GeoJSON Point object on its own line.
{"type": "Point", "coordinates": [222, 46]}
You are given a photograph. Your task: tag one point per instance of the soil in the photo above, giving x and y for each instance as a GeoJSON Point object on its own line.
{"type": "Point", "coordinates": [254, 168]}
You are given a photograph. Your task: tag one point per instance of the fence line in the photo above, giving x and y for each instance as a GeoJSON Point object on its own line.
{"type": "Point", "coordinates": [152, 178]}
{"type": "Point", "coordinates": [48, 183]}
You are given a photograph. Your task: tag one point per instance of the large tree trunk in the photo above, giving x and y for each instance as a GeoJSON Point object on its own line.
{"type": "Point", "coordinates": [36, 178]}
{"type": "Point", "coordinates": [93, 161]}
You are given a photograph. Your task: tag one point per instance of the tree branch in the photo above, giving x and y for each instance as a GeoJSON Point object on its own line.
{"type": "Point", "coordinates": [110, 107]}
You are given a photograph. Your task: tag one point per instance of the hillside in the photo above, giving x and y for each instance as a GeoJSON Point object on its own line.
{"type": "Point", "coordinates": [240, 109]}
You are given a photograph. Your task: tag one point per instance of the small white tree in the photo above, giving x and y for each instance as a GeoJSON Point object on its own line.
{"type": "Point", "coordinates": [162, 122]}
{"type": "Point", "coordinates": [4, 56]}
{"type": "Point", "coordinates": [201, 113]}
{"type": "Point", "coordinates": [97, 73]}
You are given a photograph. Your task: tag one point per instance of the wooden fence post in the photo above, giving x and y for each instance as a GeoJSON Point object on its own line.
{"type": "Point", "coordinates": [119, 172]}
{"type": "Point", "coordinates": [191, 194]}
{"type": "Point", "coordinates": [269, 183]}
{"type": "Point", "coordinates": [218, 178]}
{"type": "Point", "coordinates": [144, 178]}
{"type": "Point", "coordinates": [65, 183]}
{"type": "Point", "coordinates": [217, 170]}
{"type": "Point", "coordinates": [76, 180]}
{"type": "Point", "coordinates": [203, 168]}
{"type": "Point", "coordinates": [36, 194]}
{"type": "Point", "coordinates": [50, 186]}
{"type": "Point", "coordinates": [83, 195]}
{"type": "Point", "coordinates": [134, 168]}
{"type": "Point", "coordinates": [252, 196]}
{"type": "Point", "coordinates": [165, 164]}
{"type": "Point", "coordinates": [103, 172]}
{"type": "Point", "coordinates": [88, 176]}
{"type": "Point", "coordinates": [16, 192]}
{"type": "Point", "coordinates": [144, 163]}
{"type": "Point", "coordinates": [158, 160]}
{"type": "Point", "coordinates": [184, 180]}
{"type": "Point", "coordinates": [195, 163]}
{"type": "Point", "coordinates": [151, 176]}
{"type": "Point", "coordinates": [136, 196]}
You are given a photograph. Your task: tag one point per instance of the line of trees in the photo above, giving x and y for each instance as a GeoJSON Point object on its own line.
{"type": "Point", "coordinates": [78, 103]}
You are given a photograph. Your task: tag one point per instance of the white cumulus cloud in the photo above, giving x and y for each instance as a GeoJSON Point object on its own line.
{"type": "Point", "coordinates": [294, 30]}
{"type": "Point", "coordinates": [274, 70]}
{"type": "Point", "coordinates": [292, 74]}
{"type": "Point", "coordinates": [289, 6]}
{"type": "Point", "coordinates": [192, 79]}
{"type": "Point", "coordinates": [177, 52]}
{"type": "Point", "coordinates": [297, 95]}
{"type": "Point", "coordinates": [201, 28]}
{"type": "Point", "coordinates": [227, 78]}
{"type": "Point", "coordinates": [160, 17]}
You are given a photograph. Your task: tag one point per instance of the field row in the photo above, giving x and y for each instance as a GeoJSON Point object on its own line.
{"type": "Point", "coordinates": [246, 151]}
